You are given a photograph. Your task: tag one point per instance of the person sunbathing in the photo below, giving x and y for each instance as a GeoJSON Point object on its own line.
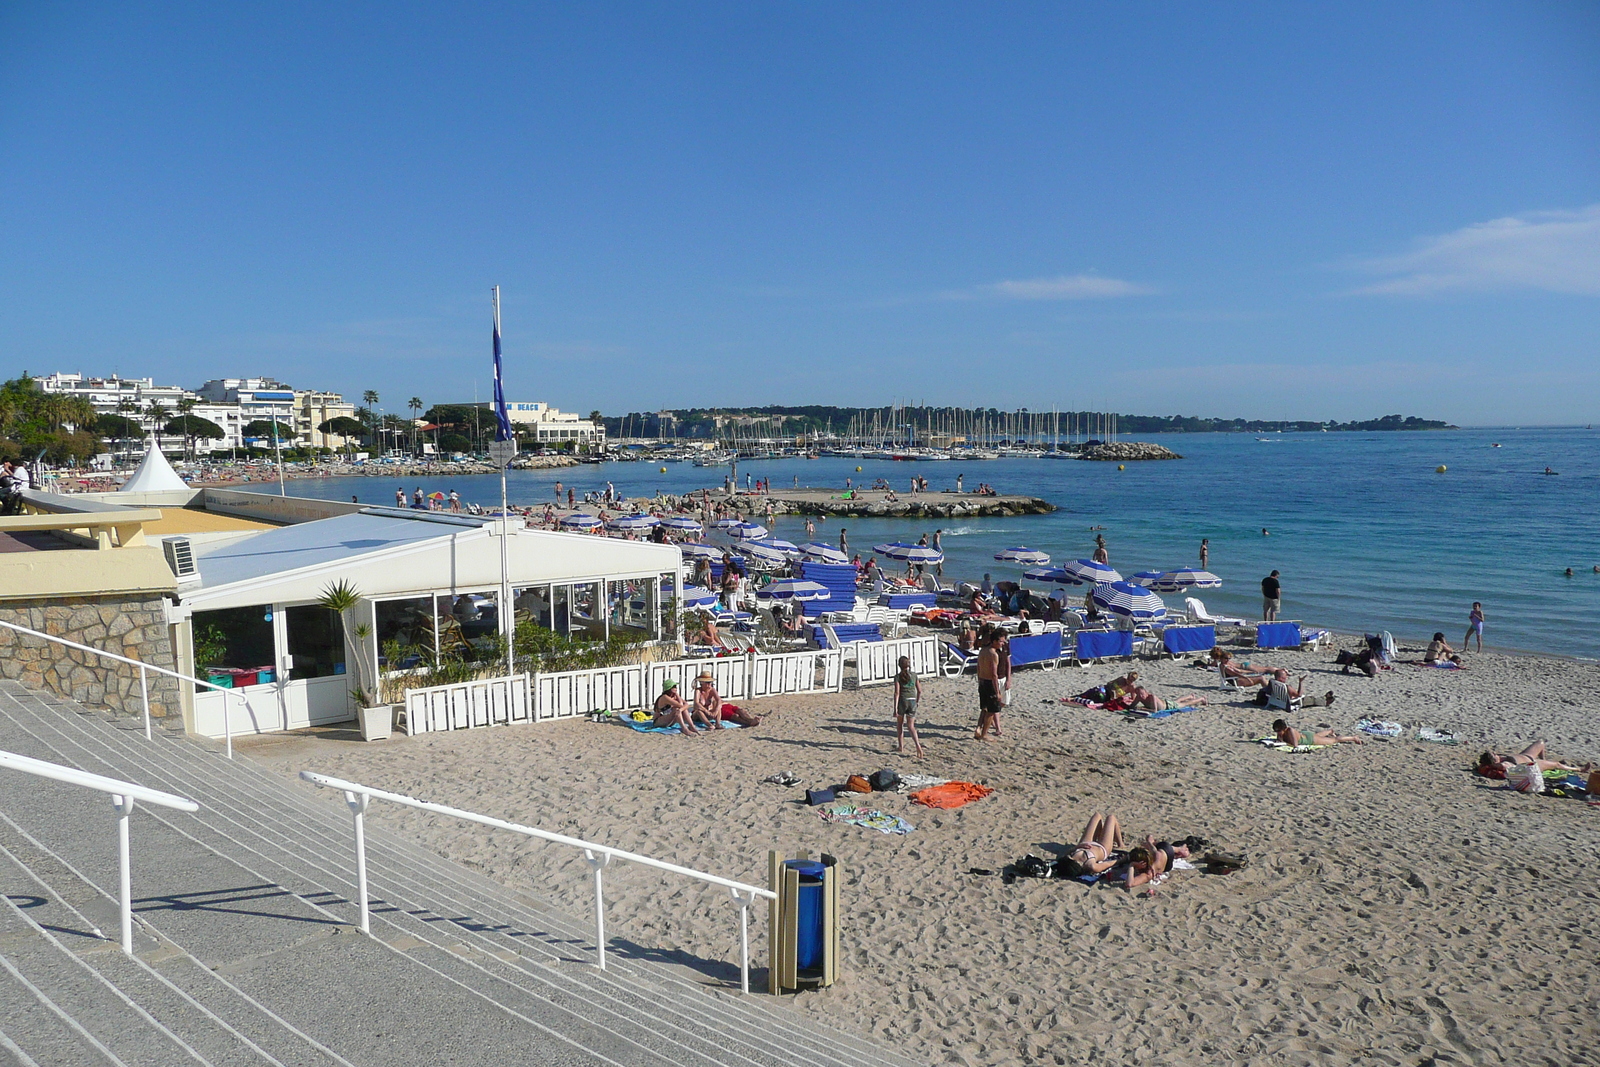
{"type": "Point", "coordinates": [1147, 863]}
{"type": "Point", "coordinates": [1093, 852]}
{"type": "Point", "coordinates": [1533, 755]}
{"type": "Point", "coordinates": [1243, 677]}
{"type": "Point", "coordinates": [1440, 653]}
{"type": "Point", "coordinates": [709, 635]}
{"type": "Point", "coordinates": [1294, 738]}
{"type": "Point", "coordinates": [671, 710]}
{"type": "Point", "coordinates": [707, 706]}
{"type": "Point", "coordinates": [1282, 692]}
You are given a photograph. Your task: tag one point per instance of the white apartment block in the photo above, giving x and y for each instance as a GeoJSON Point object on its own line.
{"type": "Point", "coordinates": [552, 427]}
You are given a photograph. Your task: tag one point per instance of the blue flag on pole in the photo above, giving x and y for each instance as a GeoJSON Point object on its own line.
{"type": "Point", "coordinates": [502, 429]}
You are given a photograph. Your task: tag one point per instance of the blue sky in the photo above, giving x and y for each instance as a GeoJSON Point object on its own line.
{"type": "Point", "coordinates": [1273, 211]}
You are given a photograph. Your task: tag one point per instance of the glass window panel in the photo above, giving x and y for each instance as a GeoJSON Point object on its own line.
{"type": "Point", "coordinates": [235, 638]}
{"type": "Point", "coordinates": [316, 641]}
{"type": "Point", "coordinates": [408, 623]}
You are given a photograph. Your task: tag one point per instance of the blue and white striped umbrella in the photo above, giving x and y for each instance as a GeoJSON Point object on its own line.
{"type": "Point", "coordinates": [1022, 554]}
{"type": "Point", "coordinates": [1181, 578]}
{"type": "Point", "coordinates": [818, 552]}
{"type": "Point", "coordinates": [793, 589]}
{"type": "Point", "coordinates": [682, 523]}
{"type": "Point", "coordinates": [633, 523]}
{"type": "Point", "coordinates": [744, 531]}
{"type": "Point", "coordinates": [771, 552]}
{"type": "Point", "coordinates": [1145, 578]}
{"type": "Point", "coordinates": [699, 550]}
{"type": "Point", "coordinates": [909, 553]}
{"type": "Point", "coordinates": [581, 521]}
{"type": "Point", "coordinates": [1134, 601]}
{"type": "Point", "coordinates": [695, 597]}
{"type": "Point", "coordinates": [1088, 571]}
{"type": "Point", "coordinates": [1053, 575]}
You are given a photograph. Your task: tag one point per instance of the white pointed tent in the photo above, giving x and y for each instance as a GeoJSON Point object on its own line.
{"type": "Point", "coordinates": [154, 475]}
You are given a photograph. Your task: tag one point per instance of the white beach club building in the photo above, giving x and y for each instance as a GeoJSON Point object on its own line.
{"type": "Point", "coordinates": [250, 618]}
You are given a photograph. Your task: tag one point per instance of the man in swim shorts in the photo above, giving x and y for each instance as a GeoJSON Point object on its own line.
{"type": "Point", "coordinates": [988, 690]}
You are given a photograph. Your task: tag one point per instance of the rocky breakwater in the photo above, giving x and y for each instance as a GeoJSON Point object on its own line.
{"type": "Point", "coordinates": [1126, 451]}
{"type": "Point", "coordinates": [877, 503]}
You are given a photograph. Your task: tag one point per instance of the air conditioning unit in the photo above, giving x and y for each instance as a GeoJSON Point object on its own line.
{"type": "Point", "coordinates": [180, 556]}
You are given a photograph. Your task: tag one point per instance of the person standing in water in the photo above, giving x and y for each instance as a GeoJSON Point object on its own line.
{"type": "Point", "coordinates": [1271, 597]}
{"type": "Point", "coordinates": [1205, 552]}
{"type": "Point", "coordinates": [1474, 626]}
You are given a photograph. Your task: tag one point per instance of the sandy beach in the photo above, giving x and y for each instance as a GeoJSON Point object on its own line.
{"type": "Point", "coordinates": [1395, 909]}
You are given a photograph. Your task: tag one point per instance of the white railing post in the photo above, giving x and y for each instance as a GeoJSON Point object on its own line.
{"type": "Point", "coordinates": [123, 806]}
{"type": "Point", "coordinates": [144, 695]}
{"type": "Point", "coordinates": [227, 722]}
{"type": "Point", "coordinates": [597, 862]}
{"type": "Point", "coordinates": [358, 810]}
{"type": "Point", "coordinates": [744, 900]}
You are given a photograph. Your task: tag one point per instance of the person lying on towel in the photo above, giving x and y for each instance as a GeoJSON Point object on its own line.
{"type": "Point", "coordinates": [1294, 738]}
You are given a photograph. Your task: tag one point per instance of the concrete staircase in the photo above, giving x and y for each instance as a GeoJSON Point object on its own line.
{"type": "Point", "coordinates": [246, 952]}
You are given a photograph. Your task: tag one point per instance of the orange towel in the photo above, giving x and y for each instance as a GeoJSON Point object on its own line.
{"type": "Point", "coordinates": [951, 794]}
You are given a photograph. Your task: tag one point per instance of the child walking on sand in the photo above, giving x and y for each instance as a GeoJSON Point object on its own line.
{"type": "Point", "coordinates": [1474, 626]}
{"type": "Point", "coordinates": [907, 691]}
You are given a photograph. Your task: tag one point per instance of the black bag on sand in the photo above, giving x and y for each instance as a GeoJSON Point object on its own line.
{"type": "Point", "coordinates": [1223, 862]}
{"type": "Point", "coordinates": [884, 780]}
{"type": "Point", "coordinates": [819, 796]}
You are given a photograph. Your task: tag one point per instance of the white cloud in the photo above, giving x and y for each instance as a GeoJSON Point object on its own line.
{"type": "Point", "coordinates": [1063, 287]}
{"type": "Point", "coordinates": [1555, 251]}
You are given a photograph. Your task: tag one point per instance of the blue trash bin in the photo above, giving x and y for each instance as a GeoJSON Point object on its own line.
{"type": "Point", "coordinates": [808, 947]}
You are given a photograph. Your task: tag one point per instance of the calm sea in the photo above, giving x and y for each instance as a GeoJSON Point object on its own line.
{"type": "Point", "coordinates": [1366, 534]}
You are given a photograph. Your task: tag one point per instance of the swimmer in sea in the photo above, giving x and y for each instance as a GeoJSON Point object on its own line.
{"type": "Point", "coordinates": [1264, 532]}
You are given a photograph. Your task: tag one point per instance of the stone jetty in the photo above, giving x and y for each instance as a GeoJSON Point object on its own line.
{"type": "Point", "coordinates": [1127, 451]}
{"type": "Point", "coordinates": [879, 503]}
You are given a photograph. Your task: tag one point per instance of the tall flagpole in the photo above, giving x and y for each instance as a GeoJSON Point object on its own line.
{"type": "Point", "coordinates": [507, 448]}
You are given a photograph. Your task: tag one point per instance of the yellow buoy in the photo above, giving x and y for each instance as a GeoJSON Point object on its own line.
{"type": "Point", "coordinates": [663, 470]}
{"type": "Point", "coordinates": [1121, 467]}
{"type": "Point", "coordinates": [1440, 469]}
{"type": "Point", "coordinates": [858, 470]}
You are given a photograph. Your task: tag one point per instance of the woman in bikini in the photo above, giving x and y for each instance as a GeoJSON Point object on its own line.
{"type": "Point", "coordinates": [1147, 863]}
{"type": "Point", "coordinates": [1093, 854]}
{"type": "Point", "coordinates": [671, 710]}
{"type": "Point", "coordinates": [1239, 676]}
{"type": "Point", "coordinates": [1532, 755]}
{"type": "Point", "coordinates": [1294, 738]}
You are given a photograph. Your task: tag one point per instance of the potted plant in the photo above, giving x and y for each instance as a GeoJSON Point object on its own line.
{"type": "Point", "coordinates": [376, 720]}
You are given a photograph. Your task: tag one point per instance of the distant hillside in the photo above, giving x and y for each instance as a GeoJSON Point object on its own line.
{"type": "Point", "coordinates": [777, 420]}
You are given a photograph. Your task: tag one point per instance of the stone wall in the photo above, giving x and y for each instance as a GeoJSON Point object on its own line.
{"type": "Point", "coordinates": [132, 626]}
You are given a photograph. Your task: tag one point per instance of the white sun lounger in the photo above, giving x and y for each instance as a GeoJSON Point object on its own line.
{"type": "Point", "coordinates": [1198, 610]}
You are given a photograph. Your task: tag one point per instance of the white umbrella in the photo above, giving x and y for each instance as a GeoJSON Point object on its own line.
{"type": "Point", "coordinates": [1087, 570]}
{"type": "Point", "coordinates": [699, 550]}
{"type": "Point", "coordinates": [682, 523]}
{"type": "Point", "coordinates": [762, 552]}
{"type": "Point", "coordinates": [1145, 578]}
{"type": "Point", "coordinates": [818, 552]}
{"type": "Point", "coordinates": [743, 531]}
{"type": "Point", "coordinates": [1022, 554]}
{"type": "Point", "coordinates": [695, 597]}
{"type": "Point", "coordinates": [582, 522]}
{"type": "Point", "coordinates": [633, 523]}
{"type": "Point", "coordinates": [793, 589]}
{"type": "Point", "coordinates": [1053, 575]}
{"type": "Point", "coordinates": [1181, 578]}
{"type": "Point", "coordinates": [909, 553]}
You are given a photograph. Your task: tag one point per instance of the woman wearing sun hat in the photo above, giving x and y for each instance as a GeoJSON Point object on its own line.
{"type": "Point", "coordinates": [707, 702]}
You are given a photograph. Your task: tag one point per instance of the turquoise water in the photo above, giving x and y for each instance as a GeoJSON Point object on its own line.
{"type": "Point", "coordinates": [1366, 534]}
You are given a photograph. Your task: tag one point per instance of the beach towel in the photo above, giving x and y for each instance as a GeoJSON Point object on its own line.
{"type": "Point", "coordinates": [880, 821]}
{"type": "Point", "coordinates": [1379, 728]}
{"type": "Point", "coordinates": [1137, 713]}
{"type": "Point", "coordinates": [647, 727]}
{"type": "Point", "coordinates": [950, 794]}
{"type": "Point", "coordinates": [1437, 736]}
{"type": "Point", "coordinates": [1278, 746]}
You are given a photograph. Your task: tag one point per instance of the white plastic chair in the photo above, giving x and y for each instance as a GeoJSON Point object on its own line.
{"type": "Point", "coordinates": [1198, 610]}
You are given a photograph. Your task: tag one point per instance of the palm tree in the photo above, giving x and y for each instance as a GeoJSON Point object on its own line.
{"type": "Point", "coordinates": [370, 398]}
{"type": "Point", "coordinates": [127, 408]}
{"type": "Point", "coordinates": [415, 404]}
{"type": "Point", "coordinates": [156, 412]}
{"type": "Point", "coordinates": [186, 408]}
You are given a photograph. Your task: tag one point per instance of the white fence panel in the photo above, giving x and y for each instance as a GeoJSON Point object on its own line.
{"type": "Point", "coordinates": [832, 669]}
{"type": "Point", "coordinates": [878, 661]}
{"type": "Point", "coordinates": [730, 674]}
{"type": "Point", "coordinates": [489, 702]}
{"type": "Point", "coordinates": [793, 672]}
{"type": "Point", "coordinates": [569, 694]}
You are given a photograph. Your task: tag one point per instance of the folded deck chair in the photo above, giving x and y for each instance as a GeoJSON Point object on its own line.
{"type": "Point", "coordinates": [1198, 610]}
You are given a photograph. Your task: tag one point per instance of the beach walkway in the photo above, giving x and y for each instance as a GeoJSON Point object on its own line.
{"type": "Point", "coordinates": [246, 952]}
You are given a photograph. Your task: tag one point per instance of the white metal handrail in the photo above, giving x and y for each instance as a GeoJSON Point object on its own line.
{"type": "Point", "coordinates": [123, 794]}
{"type": "Point", "coordinates": [144, 683]}
{"type": "Point", "coordinates": [597, 856]}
